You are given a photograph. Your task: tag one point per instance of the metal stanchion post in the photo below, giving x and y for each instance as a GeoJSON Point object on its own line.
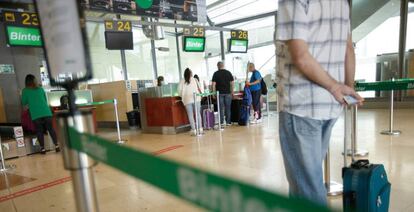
{"type": "Point", "coordinates": [219, 110]}
{"type": "Point", "coordinates": [391, 130]}
{"type": "Point", "coordinates": [78, 163]}
{"type": "Point", "coordinates": [346, 130]}
{"type": "Point", "coordinates": [118, 128]}
{"type": "Point", "coordinates": [198, 133]}
{"type": "Point", "coordinates": [354, 136]}
{"type": "Point", "coordinates": [3, 164]}
{"type": "Point", "coordinates": [333, 188]}
{"type": "Point", "coordinates": [267, 105]}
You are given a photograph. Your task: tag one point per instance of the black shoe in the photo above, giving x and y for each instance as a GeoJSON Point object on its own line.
{"type": "Point", "coordinates": [43, 151]}
{"type": "Point", "coordinates": [57, 149]}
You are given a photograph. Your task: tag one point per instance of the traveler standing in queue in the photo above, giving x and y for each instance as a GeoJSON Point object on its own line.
{"type": "Point", "coordinates": [256, 90]}
{"type": "Point", "coordinates": [186, 89]}
{"type": "Point", "coordinates": [223, 82]}
{"type": "Point", "coordinates": [315, 70]}
{"type": "Point", "coordinates": [34, 97]}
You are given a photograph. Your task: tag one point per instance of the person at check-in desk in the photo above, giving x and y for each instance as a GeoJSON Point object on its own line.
{"type": "Point", "coordinates": [187, 87]}
{"type": "Point", "coordinates": [160, 81]}
{"type": "Point", "coordinates": [34, 97]}
{"type": "Point", "coordinates": [315, 71]}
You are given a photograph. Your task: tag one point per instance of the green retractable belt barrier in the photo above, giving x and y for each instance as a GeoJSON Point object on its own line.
{"type": "Point", "coordinates": [202, 188]}
{"type": "Point", "coordinates": [206, 94]}
{"type": "Point", "coordinates": [400, 84]}
{"type": "Point", "coordinates": [111, 101]}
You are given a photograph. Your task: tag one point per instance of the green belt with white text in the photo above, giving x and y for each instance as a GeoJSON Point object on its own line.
{"type": "Point", "coordinates": [205, 189]}
{"type": "Point", "coordinates": [399, 84]}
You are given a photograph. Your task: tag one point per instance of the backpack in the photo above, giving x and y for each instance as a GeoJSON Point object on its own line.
{"type": "Point", "coordinates": [264, 87]}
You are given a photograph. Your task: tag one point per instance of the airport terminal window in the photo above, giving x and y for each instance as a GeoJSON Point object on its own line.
{"type": "Point", "coordinates": [106, 64]}
{"type": "Point", "coordinates": [193, 60]}
{"type": "Point", "coordinates": [139, 60]}
{"type": "Point", "coordinates": [166, 51]}
{"type": "Point", "coordinates": [382, 40]}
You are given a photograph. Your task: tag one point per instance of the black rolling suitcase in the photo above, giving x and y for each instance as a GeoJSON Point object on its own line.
{"type": "Point", "coordinates": [365, 186]}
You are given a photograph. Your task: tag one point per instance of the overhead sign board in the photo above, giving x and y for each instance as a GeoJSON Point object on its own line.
{"type": "Point", "coordinates": [22, 29]}
{"type": "Point", "coordinates": [21, 19]}
{"type": "Point", "coordinates": [239, 34]}
{"type": "Point", "coordinates": [194, 31]}
{"type": "Point", "coordinates": [118, 26]}
{"type": "Point", "coordinates": [64, 36]}
{"type": "Point", "coordinates": [186, 10]}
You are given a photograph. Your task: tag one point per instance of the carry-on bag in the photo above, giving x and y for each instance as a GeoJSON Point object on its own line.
{"type": "Point", "coordinates": [365, 186]}
{"type": "Point", "coordinates": [208, 115]}
{"type": "Point", "coordinates": [245, 107]}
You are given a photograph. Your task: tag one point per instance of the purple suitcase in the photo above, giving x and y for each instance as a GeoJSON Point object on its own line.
{"type": "Point", "coordinates": [208, 119]}
{"type": "Point", "coordinates": [208, 115]}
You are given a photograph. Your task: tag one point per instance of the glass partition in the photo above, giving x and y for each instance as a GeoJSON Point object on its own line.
{"type": "Point", "coordinates": [166, 52]}
{"type": "Point", "coordinates": [139, 60]}
{"type": "Point", "coordinates": [82, 97]}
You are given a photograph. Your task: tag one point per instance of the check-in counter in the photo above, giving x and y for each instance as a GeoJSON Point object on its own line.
{"type": "Point", "coordinates": [162, 111]}
{"type": "Point", "coordinates": [119, 90]}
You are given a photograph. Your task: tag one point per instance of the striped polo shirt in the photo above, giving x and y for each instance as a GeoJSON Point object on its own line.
{"type": "Point", "coordinates": [325, 26]}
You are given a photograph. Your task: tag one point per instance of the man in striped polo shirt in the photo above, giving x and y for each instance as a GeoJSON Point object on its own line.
{"type": "Point", "coordinates": [315, 70]}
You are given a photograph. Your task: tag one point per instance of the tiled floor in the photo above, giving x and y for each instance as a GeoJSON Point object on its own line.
{"type": "Point", "coordinates": [251, 154]}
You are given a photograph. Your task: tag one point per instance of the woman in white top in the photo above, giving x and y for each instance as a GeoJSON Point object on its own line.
{"type": "Point", "coordinates": [186, 89]}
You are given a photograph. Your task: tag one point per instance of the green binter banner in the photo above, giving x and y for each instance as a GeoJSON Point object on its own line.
{"type": "Point", "coordinates": [202, 188]}
{"type": "Point", "coordinates": [400, 84]}
{"type": "Point", "coordinates": [23, 36]}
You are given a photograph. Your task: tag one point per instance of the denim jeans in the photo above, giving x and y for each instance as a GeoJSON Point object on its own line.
{"type": "Point", "coordinates": [304, 143]}
{"type": "Point", "coordinates": [225, 107]}
{"type": "Point", "coordinates": [256, 95]}
{"type": "Point", "coordinates": [191, 114]}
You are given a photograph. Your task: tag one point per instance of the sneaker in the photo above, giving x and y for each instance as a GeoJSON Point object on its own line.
{"type": "Point", "coordinates": [259, 121]}
{"type": "Point", "coordinates": [42, 151]}
{"type": "Point", "coordinates": [229, 124]}
{"type": "Point", "coordinates": [193, 132]}
{"type": "Point", "coordinates": [254, 121]}
{"type": "Point", "coordinates": [201, 131]}
{"type": "Point", "coordinates": [57, 149]}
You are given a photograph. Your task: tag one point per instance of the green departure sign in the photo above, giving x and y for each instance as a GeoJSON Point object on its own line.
{"type": "Point", "coordinates": [23, 36]}
{"type": "Point", "coordinates": [144, 4]}
{"type": "Point", "coordinates": [194, 44]}
{"type": "Point", "coordinates": [238, 46]}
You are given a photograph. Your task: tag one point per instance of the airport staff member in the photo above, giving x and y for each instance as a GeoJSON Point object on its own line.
{"type": "Point", "coordinates": [223, 82]}
{"type": "Point", "coordinates": [316, 68]}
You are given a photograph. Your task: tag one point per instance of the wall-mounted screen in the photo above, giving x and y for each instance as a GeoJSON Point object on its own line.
{"type": "Point", "coordinates": [119, 40]}
{"type": "Point", "coordinates": [238, 46]}
{"type": "Point", "coordinates": [194, 44]}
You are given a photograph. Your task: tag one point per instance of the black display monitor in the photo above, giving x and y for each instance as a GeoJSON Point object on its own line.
{"type": "Point", "coordinates": [119, 40]}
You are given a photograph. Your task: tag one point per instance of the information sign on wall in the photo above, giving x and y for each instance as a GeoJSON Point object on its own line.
{"type": "Point", "coordinates": [6, 69]}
